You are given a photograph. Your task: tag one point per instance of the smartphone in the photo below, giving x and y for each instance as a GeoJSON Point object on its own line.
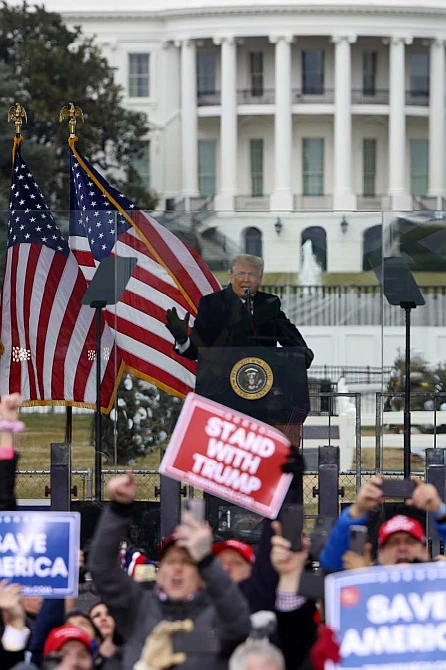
{"type": "Point", "coordinates": [291, 516]}
{"type": "Point", "coordinates": [195, 507]}
{"type": "Point", "coordinates": [397, 488]}
{"type": "Point", "coordinates": [357, 539]}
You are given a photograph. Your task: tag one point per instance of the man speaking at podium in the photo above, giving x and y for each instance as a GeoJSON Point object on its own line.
{"type": "Point", "coordinates": [238, 316]}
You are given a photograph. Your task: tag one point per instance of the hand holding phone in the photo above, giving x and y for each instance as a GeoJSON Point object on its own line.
{"type": "Point", "coordinates": [291, 517]}
{"type": "Point", "coordinates": [397, 488]}
{"type": "Point", "coordinates": [195, 507]}
{"type": "Point", "coordinates": [357, 539]}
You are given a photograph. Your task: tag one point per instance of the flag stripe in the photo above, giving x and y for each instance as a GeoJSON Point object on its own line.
{"type": "Point", "coordinates": [28, 292]}
{"type": "Point", "coordinates": [48, 336]}
{"type": "Point", "coordinates": [168, 274]}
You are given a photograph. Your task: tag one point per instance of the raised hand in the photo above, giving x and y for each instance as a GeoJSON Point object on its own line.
{"type": "Point", "coordinates": [9, 406]}
{"type": "Point", "coordinates": [194, 536]}
{"type": "Point", "coordinates": [179, 328]}
{"type": "Point", "coordinates": [122, 489]}
{"type": "Point", "coordinates": [368, 497]}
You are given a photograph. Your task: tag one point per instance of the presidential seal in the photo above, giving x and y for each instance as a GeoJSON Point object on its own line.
{"type": "Point", "coordinates": [251, 378]}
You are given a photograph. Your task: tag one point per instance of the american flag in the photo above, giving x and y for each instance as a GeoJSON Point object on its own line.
{"type": "Point", "coordinates": [48, 337]}
{"type": "Point", "coordinates": [168, 274]}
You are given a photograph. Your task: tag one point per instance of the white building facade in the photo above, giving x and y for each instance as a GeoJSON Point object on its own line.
{"type": "Point", "coordinates": [281, 118]}
{"type": "Point", "coordinates": [273, 111]}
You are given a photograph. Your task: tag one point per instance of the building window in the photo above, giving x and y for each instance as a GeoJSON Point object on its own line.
{"type": "Point", "coordinates": [141, 163]}
{"type": "Point", "coordinates": [139, 84]}
{"type": "Point", "coordinates": [256, 147]}
{"type": "Point", "coordinates": [206, 168]}
{"type": "Point", "coordinates": [206, 70]}
{"type": "Point", "coordinates": [419, 167]}
{"type": "Point", "coordinates": [368, 166]}
{"type": "Point", "coordinates": [313, 72]}
{"type": "Point", "coordinates": [253, 242]}
{"type": "Point", "coordinates": [419, 74]}
{"type": "Point", "coordinates": [369, 72]}
{"type": "Point", "coordinates": [313, 166]}
{"type": "Point", "coordinates": [256, 70]}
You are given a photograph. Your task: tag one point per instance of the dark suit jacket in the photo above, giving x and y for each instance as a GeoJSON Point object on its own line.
{"type": "Point", "coordinates": [224, 321]}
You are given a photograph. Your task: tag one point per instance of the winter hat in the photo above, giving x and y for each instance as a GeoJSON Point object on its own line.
{"type": "Point", "coordinates": [401, 523]}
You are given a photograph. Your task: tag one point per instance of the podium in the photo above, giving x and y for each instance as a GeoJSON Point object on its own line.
{"type": "Point", "coordinates": [267, 383]}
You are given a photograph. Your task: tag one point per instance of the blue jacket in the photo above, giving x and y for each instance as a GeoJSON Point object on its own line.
{"type": "Point", "coordinates": [338, 540]}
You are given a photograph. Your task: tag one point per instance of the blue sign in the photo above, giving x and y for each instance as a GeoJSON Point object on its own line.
{"type": "Point", "coordinates": [389, 618]}
{"type": "Point", "coordinates": [40, 551]}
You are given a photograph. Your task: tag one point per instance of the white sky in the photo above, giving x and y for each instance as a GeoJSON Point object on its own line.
{"type": "Point", "coordinates": [152, 5]}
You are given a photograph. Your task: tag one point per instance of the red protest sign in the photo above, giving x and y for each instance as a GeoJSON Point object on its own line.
{"type": "Point", "coordinates": [228, 454]}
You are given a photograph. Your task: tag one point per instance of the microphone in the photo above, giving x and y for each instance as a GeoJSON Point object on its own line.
{"type": "Point", "coordinates": [250, 301]}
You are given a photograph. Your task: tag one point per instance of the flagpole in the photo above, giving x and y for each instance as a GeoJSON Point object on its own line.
{"type": "Point", "coordinates": [72, 111]}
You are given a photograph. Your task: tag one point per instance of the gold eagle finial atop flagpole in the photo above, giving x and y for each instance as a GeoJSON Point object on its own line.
{"type": "Point", "coordinates": [71, 110]}
{"type": "Point", "coordinates": [18, 113]}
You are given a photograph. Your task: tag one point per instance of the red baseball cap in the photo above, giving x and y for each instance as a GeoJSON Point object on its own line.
{"type": "Point", "coordinates": [58, 636]}
{"type": "Point", "coordinates": [245, 550]}
{"type": "Point", "coordinates": [401, 523]}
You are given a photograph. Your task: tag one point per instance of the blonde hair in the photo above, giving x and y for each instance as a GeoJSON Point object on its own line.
{"type": "Point", "coordinates": [248, 259]}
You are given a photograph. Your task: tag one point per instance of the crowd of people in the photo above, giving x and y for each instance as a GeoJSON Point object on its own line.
{"type": "Point", "coordinates": [207, 604]}
{"type": "Point", "coordinates": [211, 604]}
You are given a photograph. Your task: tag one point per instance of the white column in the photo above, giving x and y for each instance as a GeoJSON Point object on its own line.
{"type": "Point", "coordinates": [400, 197]}
{"type": "Point", "coordinates": [224, 200]}
{"type": "Point", "coordinates": [189, 120]}
{"type": "Point", "coordinates": [282, 198]}
{"type": "Point", "coordinates": [436, 120]}
{"type": "Point", "coordinates": [343, 196]}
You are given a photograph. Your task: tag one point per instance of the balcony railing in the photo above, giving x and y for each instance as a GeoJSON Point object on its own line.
{"type": "Point", "coordinates": [251, 203]}
{"type": "Point", "coordinates": [246, 96]}
{"type": "Point", "coordinates": [303, 97]}
{"type": "Point", "coordinates": [356, 306]}
{"type": "Point", "coordinates": [373, 203]}
{"type": "Point", "coordinates": [379, 97]}
{"type": "Point", "coordinates": [313, 202]}
{"type": "Point", "coordinates": [417, 98]}
{"type": "Point", "coordinates": [208, 98]}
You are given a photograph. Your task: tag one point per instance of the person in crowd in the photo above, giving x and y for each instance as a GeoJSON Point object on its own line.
{"type": "Point", "coordinates": [53, 615]}
{"type": "Point", "coordinates": [401, 539]}
{"type": "Point", "coordinates": [236, 557]}
{"type": "Point", "coordinates": [191, 584]}
{"type": "Point", "coordinates": [254, 573]}
{"type": "Point", "coordinates": [110, 647]}
{"type": "Point", "coordinates": [296, 615]}
{"type": "Point", "coordinates": [14, 631]}
{"type": "Point", "coordinates": [67, 648]}
{"type": "Point", "coordinates": [257, 655]}
{"type": "Point", "coordinates": [239, 315]}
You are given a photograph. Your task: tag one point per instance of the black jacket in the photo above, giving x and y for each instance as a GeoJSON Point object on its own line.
{"type": "Point", "coordinates": [219, 607]}
{"type": "Point", "coordinates": [224, 321]}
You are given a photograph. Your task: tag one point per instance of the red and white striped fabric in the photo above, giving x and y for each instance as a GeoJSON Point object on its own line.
{"type": "Point", "coordinates": [168, 274]}
{"type": "Point", "coordinates": [48, 338]}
